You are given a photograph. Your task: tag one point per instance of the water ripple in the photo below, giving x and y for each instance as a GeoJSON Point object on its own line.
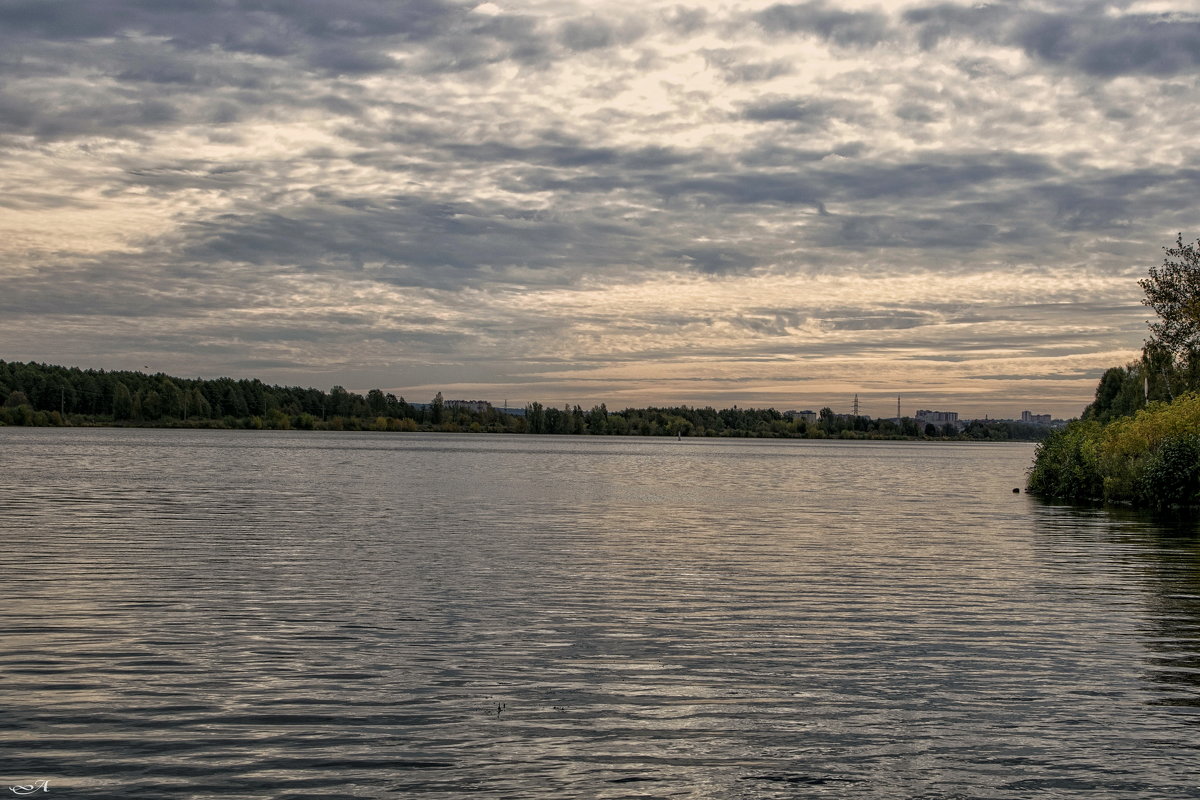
{"type": "Point", "coordinates": [219, 614]}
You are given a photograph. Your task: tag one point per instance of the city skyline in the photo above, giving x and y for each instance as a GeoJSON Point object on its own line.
{"type": "Point", "coordinates": [754, 204]}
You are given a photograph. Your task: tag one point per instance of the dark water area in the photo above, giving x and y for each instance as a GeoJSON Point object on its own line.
{"type": "Point", "coordinates": [211, 614]}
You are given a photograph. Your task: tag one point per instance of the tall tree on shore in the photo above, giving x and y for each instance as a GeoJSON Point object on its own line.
{"type": "Point", "coordinates": [1173, 292]}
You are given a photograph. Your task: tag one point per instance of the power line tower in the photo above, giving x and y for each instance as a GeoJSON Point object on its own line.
{"type": "Point", "coordinates": [897, 408]}
{"type": "Point", "coordinates": [855, 407]}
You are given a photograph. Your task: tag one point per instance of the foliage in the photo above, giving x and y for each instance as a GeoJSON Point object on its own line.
{"type": "Point", "coordinates": [16, 398]}
{"type": "Point", "coordinates": [996, 430]}
{"type": "Point", "coordinates": [1139, 441]}
{"type": "Point", "coordinates": [1121, 392]}
{"type": "Point", "coordinates": [1173, 291]}
{"type": "Point", "coordinates": [1171, 356]}
{"type": "Point", "coordinates": [1065, 463]}
{"type": "Point", "coordinates": [1149, 459]}
{"type": "Point", "coordinates": [1171, 475]}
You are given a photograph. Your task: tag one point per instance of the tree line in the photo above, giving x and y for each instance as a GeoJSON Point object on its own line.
{"type": "Point", "coordinates": [44, 394]}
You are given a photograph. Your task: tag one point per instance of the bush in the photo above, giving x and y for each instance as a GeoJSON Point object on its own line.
{"type": "Point", "coordinates": [1171, 475]}
{"type": "Point", "coordinates": [1066, 463]}
{"type": "Point", "coordinates": [1151, 459]}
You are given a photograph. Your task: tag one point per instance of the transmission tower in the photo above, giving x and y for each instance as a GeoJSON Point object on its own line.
{"type": "Point", "coordinates": [856, 405]}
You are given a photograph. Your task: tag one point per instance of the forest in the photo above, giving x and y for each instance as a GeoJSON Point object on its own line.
{"type": "Point", "coordinates": [46, 395]}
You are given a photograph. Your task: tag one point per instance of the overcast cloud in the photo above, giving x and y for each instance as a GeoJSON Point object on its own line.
{"type": "Point", "coordinates": [632, 203]}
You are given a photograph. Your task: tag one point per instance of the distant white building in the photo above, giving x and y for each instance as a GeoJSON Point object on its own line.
{"type": "Point", "coordinates": [475, 406]}
{"type": "Point", "coordinates": [937, 417]}
{"type": "Point", "coordinates": [1035, 419]}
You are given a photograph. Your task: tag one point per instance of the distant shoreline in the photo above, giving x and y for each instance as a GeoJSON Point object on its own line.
{"type": "Point", "coordinates": [218, 425]}
{"type": "Point", "coordinates": [461, 432]}
{"type": "Point", "coordinates": [43, 395]}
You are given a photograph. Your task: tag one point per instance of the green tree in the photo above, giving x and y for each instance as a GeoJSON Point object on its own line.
{"type": "Point", "coordinates": [1121, 392]}
{"type": "Point", "coordinates": [198, 405]}
{"type": "Point", "coordinates": [1173, 291]}
{"type": "Point", "coordinates": [535, 417]}
{"type": "Point", "coordinates": [172, 399]}
{"type": "Point", "coordinates": [597, 419]}
{"type": "Point", "coordinates": [339, 402]}
{"type": "Point", "coordinates": [376, 402]}
{"type": "Point", "coordinates": [122, 407]}
{"type": "Point", "coordinates": [152, 405]}
{"type": "Point", "coordinates": [1171, 357]}
{"type": "Point", "coordinates": [437, 409]}
{"type": "Point", "coordinates": [233, 402]}
{"type": "Point", "coordinates": [16, 398]}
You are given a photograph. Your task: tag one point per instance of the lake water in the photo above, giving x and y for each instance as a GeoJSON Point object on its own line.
{"type": "Point", "coordinates": [210, 614]}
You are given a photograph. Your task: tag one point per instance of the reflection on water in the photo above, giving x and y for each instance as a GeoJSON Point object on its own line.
{"type": "Point", "coordinates": [1162, 552]}
{"type": "Point", "coordinates": [286, 615]}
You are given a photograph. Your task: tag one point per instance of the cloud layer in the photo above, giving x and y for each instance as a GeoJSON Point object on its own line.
{"type": "Point", "coordinates": [754, 203]}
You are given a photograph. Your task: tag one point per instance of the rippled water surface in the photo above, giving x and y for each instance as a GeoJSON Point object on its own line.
{"type": "Point", "coordinates": [195, 614]}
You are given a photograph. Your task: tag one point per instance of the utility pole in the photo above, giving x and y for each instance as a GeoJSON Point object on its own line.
{"type": "Point", "coordinates": [897, 408]}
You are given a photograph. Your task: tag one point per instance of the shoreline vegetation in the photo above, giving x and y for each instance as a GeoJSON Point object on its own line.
{"type": "Point", "coordinates": [1138, 442]}
{"type": "Point", "coordinates": [46, 395]}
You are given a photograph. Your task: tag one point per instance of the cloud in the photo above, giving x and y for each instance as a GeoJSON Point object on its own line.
{"type": "Point", "coordinates": [601, 198]}
{"type": "Point", "coordinates": [741, 67]}
{"type": "Point", "coordinates": [844, 28]}
{"type": "Point", "coordinates": [807, 112]}
{"type": "Point", "coordinates": [592, 33]}
{"type": "Point", "coordinates": [1094, 43]}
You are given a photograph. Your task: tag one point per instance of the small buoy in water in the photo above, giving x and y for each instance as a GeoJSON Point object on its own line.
{"type": "Point", "coordinates": [1017, 490]}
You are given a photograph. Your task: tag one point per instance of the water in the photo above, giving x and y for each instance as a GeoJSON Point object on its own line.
{"type": "Point", "coordinates": [204, 614]}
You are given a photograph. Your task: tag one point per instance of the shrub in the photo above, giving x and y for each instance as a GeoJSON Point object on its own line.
{"type": "Point", "coordinates": [1150, 459]}
{"type": "Point", "coordinates": [1171, 475]}
{"type": "Point", "coordinates": [1066, 463]}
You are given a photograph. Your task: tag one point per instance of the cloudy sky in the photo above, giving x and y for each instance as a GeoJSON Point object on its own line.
{"type": "Point", "coordinates": [630, 202]}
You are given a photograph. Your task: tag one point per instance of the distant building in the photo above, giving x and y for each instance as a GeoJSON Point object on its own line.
{"type": "Point", "coordinates": [474, 406]}
{"type": "Point", "coordinates": [1035, 419]}
{"type": "Point", "coordinates": [807, 416]}
{"type": "Point", "coordinates": [937, 417]}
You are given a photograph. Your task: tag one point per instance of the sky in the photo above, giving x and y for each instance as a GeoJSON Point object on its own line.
{"type": "Point", "coordinates": [635, 203]}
